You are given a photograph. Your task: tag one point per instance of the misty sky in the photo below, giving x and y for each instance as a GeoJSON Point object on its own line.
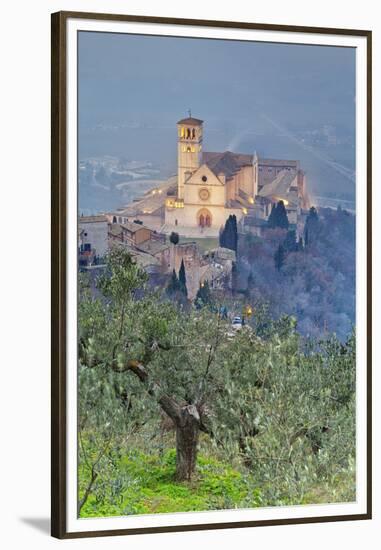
{"type": "Point", "coordinates": [247, 93]}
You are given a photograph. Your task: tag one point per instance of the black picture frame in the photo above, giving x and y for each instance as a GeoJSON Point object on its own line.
{"type": "Point", "coordinates": [59, 256]}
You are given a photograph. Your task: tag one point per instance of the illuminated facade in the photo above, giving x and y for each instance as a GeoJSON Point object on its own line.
{"type": "Point", "coordinates": [210, 186]}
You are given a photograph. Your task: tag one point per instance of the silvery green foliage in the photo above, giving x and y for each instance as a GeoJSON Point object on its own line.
{"type": "Point", "coordinates": [279, 410]}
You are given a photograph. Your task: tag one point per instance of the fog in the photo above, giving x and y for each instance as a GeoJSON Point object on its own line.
{"type": "Point", "coordinates": [282, 100]}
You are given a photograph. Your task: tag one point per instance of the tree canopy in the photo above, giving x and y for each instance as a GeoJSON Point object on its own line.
{"type": "Point", "coordinates": [174, 238]}
{"type": "Point", "coordinates": [258, 400]}
{"type": "Point", "coordinates": [229, 234]}
{"type": "Point", "coordinates": [278, 216]}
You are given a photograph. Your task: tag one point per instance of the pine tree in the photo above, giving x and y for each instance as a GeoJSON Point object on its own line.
{"type": "Point", "coordinates": [279, 257]}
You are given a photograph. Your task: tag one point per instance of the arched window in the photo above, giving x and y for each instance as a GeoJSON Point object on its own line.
{"type": "Point", "coordinates": [188, 133]}
{"type": "Point", "coordinates": [193, 133]}
{"type": "Point", "coordinates": [204, 218]}
{"type": "Point", "coordinates": [114, 219]}
{"type": "Point", "coordinates": [188, 149]}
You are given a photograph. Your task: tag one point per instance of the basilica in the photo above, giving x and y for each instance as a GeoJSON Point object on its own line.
{"type": "Point", "coordinates": [213, 185]}
{"type": "Point", "coordinates": [209, 186]}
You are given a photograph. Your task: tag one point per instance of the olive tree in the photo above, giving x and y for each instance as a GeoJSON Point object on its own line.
{"type": "Point", "coordinates": [131, 331]}
{"type": "Point", "coordinates": [264, 398]}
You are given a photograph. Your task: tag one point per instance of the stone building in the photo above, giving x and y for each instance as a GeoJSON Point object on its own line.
{"type": "Point", "coordinates": [92, 234]}
{"type": "Point", "coordinates": [133, 234]}
{"type": "Point", "coordinates": [209, 186]}
{"type": "Point", "coordinates": [213, 185]}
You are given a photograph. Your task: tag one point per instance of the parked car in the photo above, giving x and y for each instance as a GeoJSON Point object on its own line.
{"type": "Point", "coordinates": [237, 323]}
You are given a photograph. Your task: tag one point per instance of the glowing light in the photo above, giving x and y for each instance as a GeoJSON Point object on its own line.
{"type": "Point", "coordinates": [251, 200]}
{"type": "Point", "coordinates": [244, 210]}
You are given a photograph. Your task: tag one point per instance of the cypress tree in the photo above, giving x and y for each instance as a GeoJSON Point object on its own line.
{"type": "Point", "coordinates": [311, 227]}
{"type": "Point", "coordinates": [234, 230]}
{"type": "Point", "coordinates": [229, 235]}
{"type": "Point", "coordinates": [173, 285]}
{"type": "Point", "coordinates": [300, 245]}
{"type": "Point", "coordinates": [281, 216]}
{"type": "Point", "coordinates": [222, 236]}
{"type": "Point", "coordinates": [278, 216]}
{"type": "Point", "coordinates": [279, 257]}
{"type": "Point", "coordinates": [313, 215]}
{"type": "Point", "coordinates": [289, 243]}
{"type": "Point", "coordinates": [183, 279]}
{"type": "Point", "coordinates": [272, 217]}
{"type": "Point", "coordinates": [203, 296]}
{"type": "Point", "coordinates": [234, 276]}
{"type": "Point", "coordinates": [250, 281]}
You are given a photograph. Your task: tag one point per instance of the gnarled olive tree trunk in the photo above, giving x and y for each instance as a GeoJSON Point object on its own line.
{"type": "Point", "coordinates": [186, 419]}
{"type": "Point", "coordinates": [187, 434]}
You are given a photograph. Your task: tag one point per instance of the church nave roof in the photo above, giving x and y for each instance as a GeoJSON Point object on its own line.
{"type": "Point", "coordinates": [227, 163]}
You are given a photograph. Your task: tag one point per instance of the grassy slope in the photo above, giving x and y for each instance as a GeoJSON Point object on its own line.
{"type": "Point", "coordinates": [149, 487]}
{"type": "Point", "coordinates": [152, 488]}
{"type": "Point", "coordinates": [204, 244]}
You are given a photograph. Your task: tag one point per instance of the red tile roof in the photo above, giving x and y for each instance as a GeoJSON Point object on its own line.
{"type": "Point", "coordinates": [191, 121]}
{"type": "Point", "coordinates": [227, 163]}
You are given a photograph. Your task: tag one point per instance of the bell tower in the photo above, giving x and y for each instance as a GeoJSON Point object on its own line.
{"type": "Point", "coordinates": [189, 150]}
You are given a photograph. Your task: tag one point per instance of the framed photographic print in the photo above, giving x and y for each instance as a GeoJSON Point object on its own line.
{"type": "Point", "coordinates": [211, 292]}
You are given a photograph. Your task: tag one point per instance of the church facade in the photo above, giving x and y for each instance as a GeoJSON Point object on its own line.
{"type": "Point", "coordinates": [213, 185]}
